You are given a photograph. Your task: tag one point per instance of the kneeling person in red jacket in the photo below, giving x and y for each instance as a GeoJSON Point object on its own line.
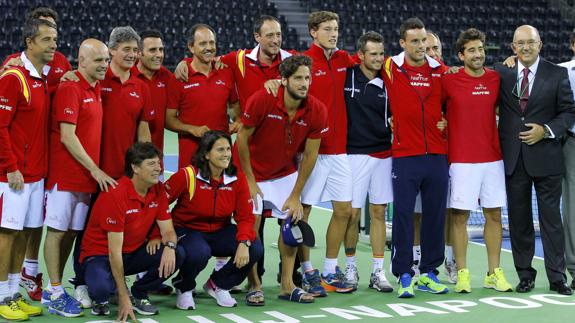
{"type": "Point", "coordinates": [114, 243]}
{"type": "Point", "coordinates": [208, 194]}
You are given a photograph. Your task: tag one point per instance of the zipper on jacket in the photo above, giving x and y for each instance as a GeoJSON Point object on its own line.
{"type": "Point", "coordinates": [423, 124]}
{"type": "Point", "coordinates": [334, 100]}
{"type": "Point", "coordinates": [215, 204]}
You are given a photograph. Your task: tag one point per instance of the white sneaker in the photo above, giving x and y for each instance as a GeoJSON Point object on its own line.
{"type": "Point", "coordinates": [379, 282]}
{"type": "Point", "coordinates": [222, 296]}
{"type": "Point", "coordinates": [351, 276]}
{"type": "Point", "coordinates": [185, 301]}
{"type": "Point", "coordinates": [82, 296]}
{"type": "Point", "coordinates": [450, 271]}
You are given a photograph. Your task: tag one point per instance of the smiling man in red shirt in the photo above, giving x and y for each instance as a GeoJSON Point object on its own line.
{"type": "Point", "coordinates": [24, 111]}
{"type": "Point", "coordinates": [201, 103]}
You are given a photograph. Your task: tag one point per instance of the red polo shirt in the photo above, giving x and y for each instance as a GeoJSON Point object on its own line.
{"type": "Point", "coordinates": [207, 205]}
{"type": "Point", "coordinates": [159, 87]}
{"type": "Point", "coordinates": [58, 67]}
{"type": "Point", "coordinates": [203, 100]}
{"type": "Point", "coordinates": [80, 104]}
{"type": "Point", "coordinates": [277, 140]}
{"type": "Point", "coordinates": [328, 80]}
{"type": "Point", "coordinates": [125, 105]}
{"type": "Point", "coordinates": [122, 209]}
{"type": "Point", "coordinates": [24, 113]}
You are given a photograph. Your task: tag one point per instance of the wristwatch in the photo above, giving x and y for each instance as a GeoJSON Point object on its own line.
{"type": "Point", "coordinates": [547, 133]}
{"type": "Point", "coordinates": [247, 243]}
{"type": "Point", "coordinates": [171, 245]}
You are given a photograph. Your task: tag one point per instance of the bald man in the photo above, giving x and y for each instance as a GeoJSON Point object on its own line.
{"type": "Point", "coordinates": [74, 174]}
{"type": "Point", "coordinates": [536, 108]}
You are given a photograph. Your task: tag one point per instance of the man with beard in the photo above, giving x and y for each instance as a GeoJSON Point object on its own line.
{"type": "Point", "coordinates": [275, 130]}
{"type": "Point", "coordinates": [476, 165]}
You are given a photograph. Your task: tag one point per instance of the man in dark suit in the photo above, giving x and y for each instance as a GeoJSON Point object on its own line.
{"type": "Point", "coordinates": [536, 109]}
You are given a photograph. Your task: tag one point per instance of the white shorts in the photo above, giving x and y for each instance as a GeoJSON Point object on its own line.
{"type": "Point", "coordinates": [66, 210]}
{"type": "Point", "coordinates": [330, 180]}
{"type": "Point", "coordinates": [418, 208]}
{"type": "Point", "coordinates": [22, 209]}
{"type": "Point", "coordinates": [276, 192]}
{"type": "Point", "coordinates": [477, 184]}
{"type": "Point", "coordinates": [371, 176]}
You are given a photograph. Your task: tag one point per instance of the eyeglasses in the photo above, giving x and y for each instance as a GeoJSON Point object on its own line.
{"type": "Point", "coordinates": [528, 44]}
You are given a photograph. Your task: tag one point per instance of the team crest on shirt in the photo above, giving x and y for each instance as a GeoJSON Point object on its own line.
{"type": "Point", "coordinates": [69, 111]}
{"type": "Point", "coordinates": [301, 123]}
{"type": "Point", "coordinates": [220, 82]}
{"type": "Point", "coordinates": [205, 187]}
{"type": "Point", "coordinates": [88, 100]}
{"type": "Point", "coordinates": [153, 205]}
{"type": "Point", "coordinates": [324, 130]}
{"type": "Point", "coordinates": [58, 71]}
{"type": "Point", "coordinates": [160, 84]}
{"type": "Point", "coordinates": [134, 94]}
{"type": "Point", "coordinates": [36, 85]}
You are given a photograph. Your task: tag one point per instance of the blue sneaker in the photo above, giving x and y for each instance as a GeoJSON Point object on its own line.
{"type": "Point", "coordinates": [429, 283]}
{"type": "Point", "coordinates": [336, 282]}
{"type": "Point", "coordinates": [65, 305]}
{"type": "Point", "coordinates": [406, 283]}
{"type": "Point", "coordinates": [45, 300]}
{"type": "Point", "coordinates": [311, 283]}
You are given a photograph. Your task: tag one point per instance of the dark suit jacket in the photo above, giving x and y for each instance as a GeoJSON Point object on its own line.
{"type": "Point", "coordinates": [550, 102]}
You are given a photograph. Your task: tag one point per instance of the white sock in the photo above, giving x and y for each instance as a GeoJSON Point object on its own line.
{"type": "Point", "coordinates": [4, 290]}
{"type": "Point", "coordinates": [14, 283]}
{"type": "Point", "coordinates": [56, 290]}
{"type": "Point", "coordinates": [416, 253]}
{"type": "Point", "coordinates": [449, 254]}
{"type": "Point", "coordinates": [31, 266]}
{"type": "Point", "coordinates": [306, 266]}
{"type": "Point", "coordinates": [220, 263]}
{"type": "Point", "coordinates": [350, 260]}
{"type": "Point", "coordinates": [377, 263]}
{"type": "Point", "coordinates": [329, 265]}
{"type": "Point", "coordinates": [141, 275]}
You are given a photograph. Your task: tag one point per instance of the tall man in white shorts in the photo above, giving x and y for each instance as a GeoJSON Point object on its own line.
{"type": "Point", "coordinates": [74, 174]}
{"type": "Point", "coordinates": [476, 170]}
{"type": "Point", "coordinates": [24, 111]}
{"type": "Point", "coordinates": [369, 152]}
{"type": "Point", "coordinates": [275, 130]}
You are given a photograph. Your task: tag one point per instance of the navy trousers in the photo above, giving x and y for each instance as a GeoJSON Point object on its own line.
{"type": "Point", "coordinates": [410, 175]}
{"type": "Point", "coordinates": [100, 281]}
{"type": "Point", "coordinates": [199, 247]}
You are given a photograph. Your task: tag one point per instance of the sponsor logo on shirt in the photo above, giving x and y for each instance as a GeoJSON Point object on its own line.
{"type": "Point", "coordinates": [301, 123]}
{"type": "Point", "coordinates": [3, 99]}
{"type": "Point", "coordinates": [246, 115]}
{"type": "Point", "coordinates": [187, 86]}
{"type": "Point", "coordinates": [252, 65]}
{"type": "Point", "coordinates": [205, 187]}
{"type": "Point", "coordinates": [153, 205]}
{"type": "Point", "coordinates": [324, 130]}
{"type": "Point", "coordinates": [110, 221]}
{"type": "Point", "coordinates": [342, 69]}
{"type": "Point", "coordinates": [348, 89]}
{"type": "Point", "coordinates": [69, 111]}
{"type": "Point", "coordinates": [418, 80]}
{"type": "Point", "coordinates": [480, 89]}
{"type": "Point", "coordinates": [435, 75]}
{"type": "Point", "coordinates": [5, 107]}
{"type": "Point", "coordinates": [134, 94]}
{"type": "Point", "coordinates": [320, 73]}
{"type": "Point", "coordinates": [58, 71]}
{"type": "Point", "coordinates": [220, 82]}
{"type": "Point", "coordinates": [130, 211]}
{"type": "Point", "coordinates": [381, 95]}
{"type": "Point", "coordinates": [160, 84]}
{"type": "Point", "coordinates": [88, 100]}
{"type": "Point", "coordinates": [275, 116]}
{"type": "Point", "coordinates": [107, 89]}
{"type": "Point", "coordinates": [226, 188]}
{"type": "Point", "coordinates": [36, 85]}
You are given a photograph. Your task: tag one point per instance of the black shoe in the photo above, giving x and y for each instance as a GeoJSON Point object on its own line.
{"type": "Point", "coordinates": [561, 287]}
{"type": "Point", "coordinates": [525, 286]}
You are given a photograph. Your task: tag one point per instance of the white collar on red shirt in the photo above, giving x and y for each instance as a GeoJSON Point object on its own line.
{"type": "Point", "coordinates": [253, 55]}
{"type": "Point", "coordinates": [400, 59]}
{"type": "Point", "coordinates": [30, 67]}
{"type": "Point", "coordinates": [227, 179]}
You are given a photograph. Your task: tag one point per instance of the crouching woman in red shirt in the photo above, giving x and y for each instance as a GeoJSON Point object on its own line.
{"type": "Point", "coordinates": [208, 193]}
